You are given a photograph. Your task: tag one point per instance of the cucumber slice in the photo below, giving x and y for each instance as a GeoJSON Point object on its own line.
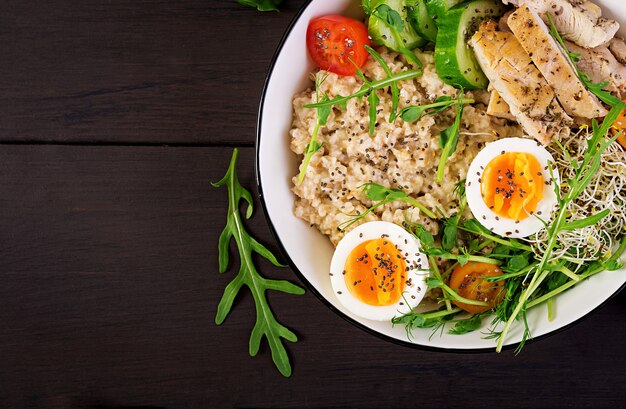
{"type": "Point", "coordinates": [437, 8]}
{"type": "Point", "coordinates": [383, 34]}
{"type": "Point", "coordinates": [454, 60]}
{"type": "Point", "coordinates": [421, 21]}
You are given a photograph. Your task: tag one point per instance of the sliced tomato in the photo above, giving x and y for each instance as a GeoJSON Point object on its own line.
{"type": "Point", "coordinates": [468, 281]}
{"type": "Point", "coordinates": [620, 125]}
{"type": "Point", "coordinates": [337, 43]}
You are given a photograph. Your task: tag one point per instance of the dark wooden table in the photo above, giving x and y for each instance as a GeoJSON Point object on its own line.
{"type": "Point", "coordinates": [114, 117]}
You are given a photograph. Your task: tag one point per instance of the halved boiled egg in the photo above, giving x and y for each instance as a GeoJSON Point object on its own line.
{"type": "Point", "coordinates": [510, 187]}
{"type": "Point", "coordinates": [378, 272]}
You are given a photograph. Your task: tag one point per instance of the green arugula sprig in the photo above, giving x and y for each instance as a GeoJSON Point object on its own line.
{"type": "Point", "coordinates": [383, 195]}
{"type": "Point", "coordinates": [584, 173]}
{"type": "Point", "coordinates": [369, 89]}
{"type": "Point", "coordinates": [596, 89]}
{"type": "Point", "coordinates": [449, 138]}
{"type": "Point", "coordinates": [373, 98]}
{"type": "Point", "coordinates": [322, 117]}
{"type": "Point", "coordinates": [266, 324]}
{"type": "Point", "coordinates": [262, 5]}
{"type": "Point", "coordinates": [415, 112]}
{"type": "Point", "coordinates": [392, 19]}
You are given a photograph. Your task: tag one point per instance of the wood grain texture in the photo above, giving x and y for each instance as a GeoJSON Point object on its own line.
{"type": "Point", "coordinates": [108, 254]}
{"type": "Point", "coordinates": [148, 71]}
{"type": "Point", "coordinates": [110, 287]}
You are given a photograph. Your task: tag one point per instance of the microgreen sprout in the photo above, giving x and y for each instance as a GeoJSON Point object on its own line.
{"type": "Point", "coordinates": [583, 175]}
{"type": "Point", "coordinates": [392, 19]}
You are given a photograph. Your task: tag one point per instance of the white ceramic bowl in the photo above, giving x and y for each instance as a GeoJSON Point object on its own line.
{"type": "Point", "coordinates": [309, 252]}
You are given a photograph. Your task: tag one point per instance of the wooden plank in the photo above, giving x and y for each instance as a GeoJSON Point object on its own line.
{"type": "Point", "coordinates": [108, 266]}
{"type": "Point", "coordinates": [127, 71]}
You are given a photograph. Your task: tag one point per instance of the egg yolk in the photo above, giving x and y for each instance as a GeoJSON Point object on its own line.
{"type": "Point", "coordinates": [375, 272]}
{"type": "Point", "coordinates": [512, 185]}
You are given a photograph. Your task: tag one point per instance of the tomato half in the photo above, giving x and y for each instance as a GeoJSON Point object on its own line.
{"type": "Point", "coordinates": [620, 125]}
{"type": "Point", "coordinates": [469, 283]}
{"type": "Point", "coordinates": [337, 43]}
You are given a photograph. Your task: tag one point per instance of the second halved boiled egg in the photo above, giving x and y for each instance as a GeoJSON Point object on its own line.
{"type": "Point", "coordinates": [510, 187]}
{"type": "Point", "coordinates": [378, 271]}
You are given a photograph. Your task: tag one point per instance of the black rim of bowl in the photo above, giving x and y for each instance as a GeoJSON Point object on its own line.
{"type": "Point", "coordinates": [306, 282]}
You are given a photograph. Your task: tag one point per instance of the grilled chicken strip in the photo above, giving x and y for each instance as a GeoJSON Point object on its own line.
{"type": "Point", "coordinates": [618, 48]}
{"type": "Point", "coordinates": [519, 83]}
{"type": "Point", "coordinates": [498, 107]}
{"type": "Point", "coordinates": [576, 20]}
{"type": "Point", "coordinates": [554, 64]}
{"type": "Point", "coordinates": [601, 66]}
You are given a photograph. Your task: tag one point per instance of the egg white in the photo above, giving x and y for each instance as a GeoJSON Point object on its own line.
{"type": "Point", "coordinates": [501, 225]}
{"type": "Point", "coordinates": [416, 270]}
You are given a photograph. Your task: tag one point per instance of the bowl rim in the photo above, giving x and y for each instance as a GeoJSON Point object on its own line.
{"type": "Point", "coordinates": [307, 283]}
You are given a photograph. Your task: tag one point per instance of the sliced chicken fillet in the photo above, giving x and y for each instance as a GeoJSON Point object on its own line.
{"type": "Point", "coordinates": [618, 48]}
{"type": "Point", "coordinates": [512, 74]}
{"type": "Point", "coordinates": [498, 107]}
{"type": "Point", "coordinates": [554, 64]}
{"type": "Point", "coordinates": [573, 24]}
{"type": "Point", "coordinates": [576, 20]}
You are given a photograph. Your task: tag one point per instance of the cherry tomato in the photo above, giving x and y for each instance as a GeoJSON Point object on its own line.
{"type": "Point", "coordinates": [337, 43]}
{"type": "Point", "coordinates": [467, 281]}
{"type": "Point", "coordinates": [620, 125]}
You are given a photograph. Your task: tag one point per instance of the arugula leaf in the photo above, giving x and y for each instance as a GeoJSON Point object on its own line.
{"type": "Point", "coordinates": [322, 117]}
{"type": "Point", "coordinates": [367, 89]}
{"type": "Point", "coordinates": [587, 221]}
{"type": "Point", "coordinates": [373, 103]}
{"type": "Point", "coordinates": [395, 90]}
{"type": "Point", "coordinates": [415, 112]}
{"type": "Point", "coordinates": [383, 195]}
{"type": "Point", "coordinates": [266, 324]}
{"type": "Point", "coordinates": [449, 138]}
{"type": "Point", "coordinates": [596, 89]}
{"type": "Point", "coordinates": [262, 5]}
